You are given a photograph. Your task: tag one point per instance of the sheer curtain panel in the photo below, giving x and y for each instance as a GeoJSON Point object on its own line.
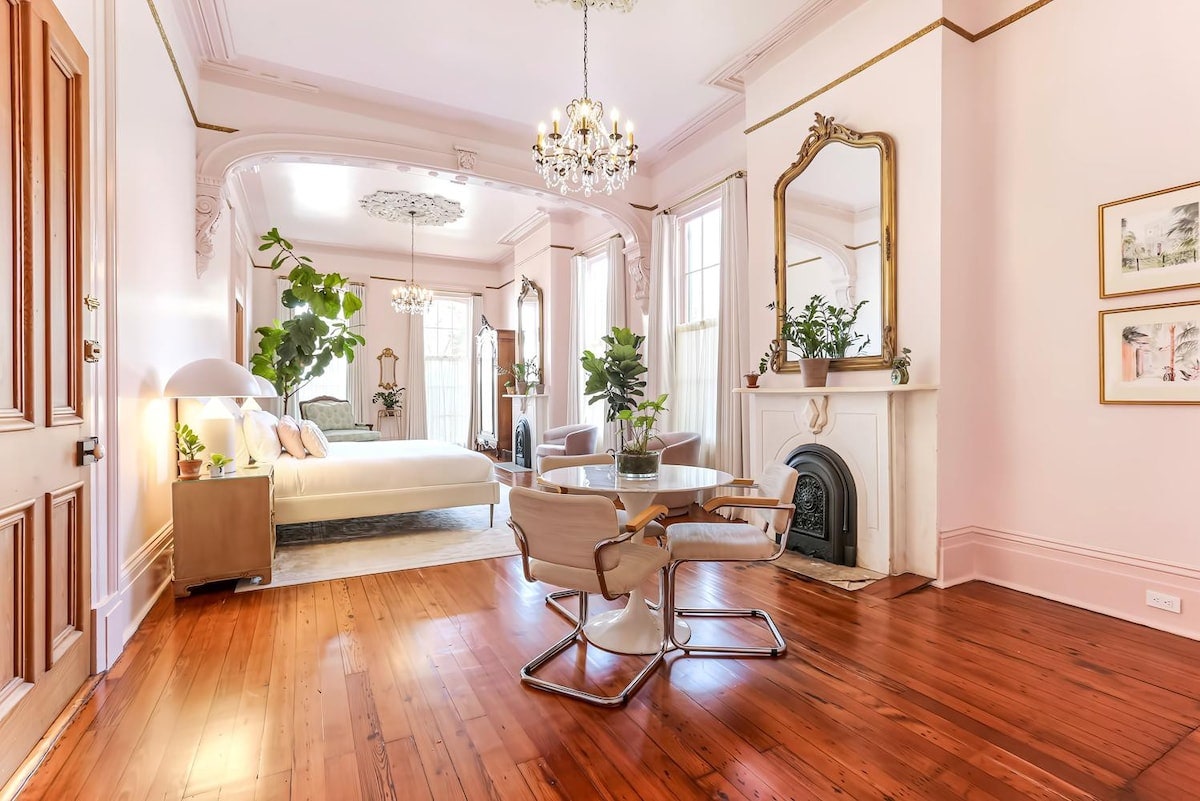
{"type": "Point", "coordinates": [660, 338]}
{"type": "Point", "coordinates": [357, 369]}
{"type": "Point", "coordinates": [732, 356]}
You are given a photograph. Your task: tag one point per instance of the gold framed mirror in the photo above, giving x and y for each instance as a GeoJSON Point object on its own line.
{"type": "Point", "coordinates": [835, 236]}
{"type": "Point", "coordinates": [529, 328]}
{"type": "Point", "coordinates": [387, 368]}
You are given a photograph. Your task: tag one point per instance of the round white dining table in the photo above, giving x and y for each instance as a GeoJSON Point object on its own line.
{"type": "Point", "coordinates": [635, 629]}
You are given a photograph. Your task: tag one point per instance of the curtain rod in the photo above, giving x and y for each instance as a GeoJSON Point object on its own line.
{"type": "Point", "coordinates": [709, 188]}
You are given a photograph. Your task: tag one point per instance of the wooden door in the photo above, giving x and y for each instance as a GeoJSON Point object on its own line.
{"type": "Point", "coordinates": [44, 560]}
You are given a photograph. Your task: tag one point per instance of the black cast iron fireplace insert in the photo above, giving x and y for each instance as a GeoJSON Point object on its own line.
{"type": "Point", "coordinates": [523, 444]}
{"type": "Point", "coordinates": [826, 521]}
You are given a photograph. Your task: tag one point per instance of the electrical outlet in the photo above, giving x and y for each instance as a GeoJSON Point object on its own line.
{"type": "Point", "coordinates": [1160, 600]}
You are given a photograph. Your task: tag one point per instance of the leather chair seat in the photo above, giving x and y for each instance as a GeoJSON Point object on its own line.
{"type": "Point", "coordinates": [637, 561]}
{"type": "Point", "coordinates": [720, 541]}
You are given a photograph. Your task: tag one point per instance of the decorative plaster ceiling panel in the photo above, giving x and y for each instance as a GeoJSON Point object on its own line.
{"type": "Point", "coordinates": [514, 60]}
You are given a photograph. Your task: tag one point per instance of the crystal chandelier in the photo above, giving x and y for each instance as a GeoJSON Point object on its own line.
{"type": "Point", "coordinates": [586, 158]}
{"type": "Point", "coordinates": [412, 298]}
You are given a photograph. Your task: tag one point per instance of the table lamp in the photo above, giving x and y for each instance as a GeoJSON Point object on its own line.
{"type": "Point", "coordinates": [214, 379]}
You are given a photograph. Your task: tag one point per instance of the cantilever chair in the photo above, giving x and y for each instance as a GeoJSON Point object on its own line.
{"type": "Point", "coordinates": [574, 541]}
{"type": "Point", "coordinates": [735, 542]}
{"type": "Point", "coordinates": [653, 527]}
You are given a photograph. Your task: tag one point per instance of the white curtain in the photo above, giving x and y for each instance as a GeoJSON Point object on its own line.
{"type": "Point", "coordinates": [694, 400]}
{"type": "Point", "coordinates": [617, 312]}
{"type": "Point", "coordinates": [575, 345]}
{"type": "Point", "coordinates": [732, 356]}
{"type": "Point", "coordinates": [356, 371]}
{"type": "Point", "coordinates": [660, 344]}
{"type": "Point", "coordinates": [414, 381]}
{"type": "Point", "coordinates": [474, 317]}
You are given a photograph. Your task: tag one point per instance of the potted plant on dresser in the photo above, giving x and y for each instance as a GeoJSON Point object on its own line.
{"type": "Point", "coordinates": [616, 379]}
{"type": "Point", "coordinates": [188, 443]}
{"type": "Point", "coordinates": [818, 333]}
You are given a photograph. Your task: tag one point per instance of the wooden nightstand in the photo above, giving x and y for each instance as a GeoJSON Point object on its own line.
{"type": "Point", "coordinates": [224, 528]}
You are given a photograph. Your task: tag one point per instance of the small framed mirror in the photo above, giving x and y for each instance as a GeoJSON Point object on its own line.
{"type": "Point", "coordinates": [529, 329]}
{"type": "Point", "coordinates": [387, 368]}
{"type": "Point", "coordinates": [835, 236]}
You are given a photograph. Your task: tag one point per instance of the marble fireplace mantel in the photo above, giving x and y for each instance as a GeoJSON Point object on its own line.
{"type": "Point", "coordinates": [887, 436]}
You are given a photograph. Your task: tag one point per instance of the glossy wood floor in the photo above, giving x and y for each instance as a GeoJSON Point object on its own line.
{"type": "Point", "coordinates": [404, 686]}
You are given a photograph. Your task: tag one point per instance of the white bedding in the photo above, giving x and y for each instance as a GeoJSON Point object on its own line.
{"type": "Point", "coordinates": [363, 467]}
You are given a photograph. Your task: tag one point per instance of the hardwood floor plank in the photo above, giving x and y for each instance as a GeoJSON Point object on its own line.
{"type": "Point", "coordinates": [405, 685]}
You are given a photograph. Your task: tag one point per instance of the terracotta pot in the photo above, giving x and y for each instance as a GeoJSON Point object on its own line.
{"type": "Point", "coordinates": [638, 465]}
{"type": "Point", "coordinates": [814, 372]}
{"type": "Point", "coordinates": [189, 469]}
{"type": "Point", "coordinates": [751, 380]}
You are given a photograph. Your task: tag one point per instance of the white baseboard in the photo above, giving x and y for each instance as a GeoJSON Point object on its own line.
{"type": "Point", "coordinates": [1108, 582]}
{"type": "Point", "coordinates": [144, 576]}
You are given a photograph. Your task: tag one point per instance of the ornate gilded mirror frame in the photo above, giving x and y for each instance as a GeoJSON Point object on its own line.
{"type": "Point", "coordinates": [387, 368]}
{"type": "Point", "coordinates": [822, 133]}
{"type": "Point", "coordinates": [530, 314]}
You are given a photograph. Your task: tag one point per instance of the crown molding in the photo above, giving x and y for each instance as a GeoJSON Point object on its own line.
{"type": "Point", "coordinates": [732, 75]}
{"type": "Point", "coordinates": [524, 228]}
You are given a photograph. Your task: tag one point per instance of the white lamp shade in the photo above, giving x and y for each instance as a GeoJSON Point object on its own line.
{"type": "Point", "coordinates": [212, 378]}
{"type": "Point", "coordinates": [265, 388]}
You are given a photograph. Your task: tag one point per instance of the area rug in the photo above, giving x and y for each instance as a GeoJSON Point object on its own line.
{"type": "Point", "coordinates": [392, 542]}
{"type": "Point", "coordinates": [848, 578]}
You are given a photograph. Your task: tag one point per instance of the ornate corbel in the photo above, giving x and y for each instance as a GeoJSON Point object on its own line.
{"type": "Point", "coordinates": [637, 267]}
{"type": "Point", "coordinates": [466, 159]}
{"type": "Point", "coordinates": [210, 205]}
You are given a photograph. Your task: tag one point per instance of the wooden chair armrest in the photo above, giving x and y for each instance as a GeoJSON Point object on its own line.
{"type": "Point", "coordinates": [743, 482]}
{"type": "Point", "coordinates": [744, 501]}
{"type": "Point", "coordinates": [546, 485]}
{"type": "Point", "coordinates": [641, 521]}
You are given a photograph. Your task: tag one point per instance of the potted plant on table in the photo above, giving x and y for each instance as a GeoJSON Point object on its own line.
{"type": "Point", "coordinates": [616, 379]}
{"type": "Point", "coordinates": [216, 464]}
{"type": "Point", "coordinates": [819, 332]}
{"type": "Point", "coordinates": [390, 399]}
{"type": "Point", "coordinates": [188, 443]}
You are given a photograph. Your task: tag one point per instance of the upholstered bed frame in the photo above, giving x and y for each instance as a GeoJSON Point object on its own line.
{"type": "Point", "coordinates": [312, 508]}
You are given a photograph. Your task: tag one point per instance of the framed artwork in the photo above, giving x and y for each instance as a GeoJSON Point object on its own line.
{"type": "Point", "coordinates": [1148, 243]}
{"type": "Point", "coordinates": [1150, 354]}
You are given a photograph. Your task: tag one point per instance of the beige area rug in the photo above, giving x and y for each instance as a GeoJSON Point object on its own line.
{"type": "Point", "coordinates": [848, 578]}
{"type": "Point", "coordinates": [416, 539]}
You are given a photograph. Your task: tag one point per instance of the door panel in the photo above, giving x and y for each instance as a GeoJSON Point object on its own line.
{"type": "Point", "coordinates": [44, 561]}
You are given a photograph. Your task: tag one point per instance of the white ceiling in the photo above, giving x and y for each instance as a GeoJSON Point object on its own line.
{"type": "Point", "coordinates": [665, 64]}
{"type": "Point", "coordinates": [318, 203]}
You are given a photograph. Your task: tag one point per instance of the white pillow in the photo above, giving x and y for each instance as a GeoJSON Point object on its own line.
{"type": "Point", "coordinates": [262, 439]}
{"type": "Point", "coordinates": [289, 436]}
{"type": "Point", "coordinates": [314, 439]}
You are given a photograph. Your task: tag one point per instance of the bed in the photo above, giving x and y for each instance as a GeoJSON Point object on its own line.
{"type": "Point", "coordinates": [362, 479]}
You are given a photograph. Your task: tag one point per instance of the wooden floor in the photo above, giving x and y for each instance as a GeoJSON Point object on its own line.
{"type": "Point", "coordinates": [404, 685]}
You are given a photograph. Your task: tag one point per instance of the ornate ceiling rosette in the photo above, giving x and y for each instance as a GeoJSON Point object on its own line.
{"type": "Point", "coordinates": [421, 209]}
{"type": "Point", "coordinates": [619, 5]}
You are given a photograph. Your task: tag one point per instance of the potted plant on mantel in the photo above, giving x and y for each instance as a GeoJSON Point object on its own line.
{"type": "Point", "coordinates": [820, 332]}
{"type": "Point", "coordinates": [524, 375]}
{"type": "Point", "coordinates": [616, 379]}
{"type": "Point", "coordinates": [188, 443]}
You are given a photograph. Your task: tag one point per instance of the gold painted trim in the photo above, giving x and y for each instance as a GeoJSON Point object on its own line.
{"type": "Point", "coordinates": [640, 207]}
{"type": "Point", "coordinates": [1100, 229]}
{"type": "Point", "coordinates": [860, 247]}
{"type": "Point", "coordinates": [1100, 352]}
{"type": "Point", "coordinates": [825, 131]}
{"type": "Point", "coordinates": [702, 192]}
{"type": "Point", "coordinates": [805, 261]}
{"type": "Point", "coordinates": [162, 32]}
{"type": "Point", "coordinates": [930, 28]}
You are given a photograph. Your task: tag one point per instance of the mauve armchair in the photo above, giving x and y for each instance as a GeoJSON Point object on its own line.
{"type": "Point", "coordinates": [678, 447]}
{"type": "Point", "coordinates": [572, 440]}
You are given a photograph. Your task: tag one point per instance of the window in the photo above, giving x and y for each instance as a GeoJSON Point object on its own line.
{"type": "Point", "coordinates": [694, 401]}
{"type": "Point", "coordinates": [592, 324]}
{"type": "Point", "coordinates": [448, 369]}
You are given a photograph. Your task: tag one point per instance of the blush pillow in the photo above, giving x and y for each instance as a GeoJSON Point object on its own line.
{"type": "Point", "coordinates": [314, 439]}
{"type": "Point", "coordinates": [289, 436]}
{"type": "Point", "coordinates": [262, 439]}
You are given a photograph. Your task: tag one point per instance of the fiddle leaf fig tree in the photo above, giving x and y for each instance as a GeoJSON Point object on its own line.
{"type": "Point", "coordinates": [293, 352]}
{"type": "Point", "coordinates": [616, 379]}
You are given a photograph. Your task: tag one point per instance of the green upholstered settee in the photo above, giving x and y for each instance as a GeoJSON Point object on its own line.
{"type": "Point", "coordinates": [336, 419]}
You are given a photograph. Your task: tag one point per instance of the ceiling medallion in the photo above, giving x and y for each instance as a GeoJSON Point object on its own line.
{"type": "Point", "coordinates": [619, 5]}
{"type": "Point", "coordinates": [586, 158]}
{"type": "Point", "coordinates": [421, 209]}
{"type": "Point", "coordinates": [418, 209]}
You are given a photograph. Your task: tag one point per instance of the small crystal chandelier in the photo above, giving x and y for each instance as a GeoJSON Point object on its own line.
{"type": "Point", "coordinates": [412, 298]}
{"type": "Point", "coordinates": [586, 158]}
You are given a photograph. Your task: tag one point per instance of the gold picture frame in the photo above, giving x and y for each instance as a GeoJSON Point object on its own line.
{"type": "Point", "coordinates": [1150, 354]}
{"type": "Point", "coordinates": [1149, 242]}
{"type": "Point", "coordinates": [387, 368]}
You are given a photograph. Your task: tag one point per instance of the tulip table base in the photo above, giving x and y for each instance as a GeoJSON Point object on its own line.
{"type": "Point", "coordinates": [636, 629]}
